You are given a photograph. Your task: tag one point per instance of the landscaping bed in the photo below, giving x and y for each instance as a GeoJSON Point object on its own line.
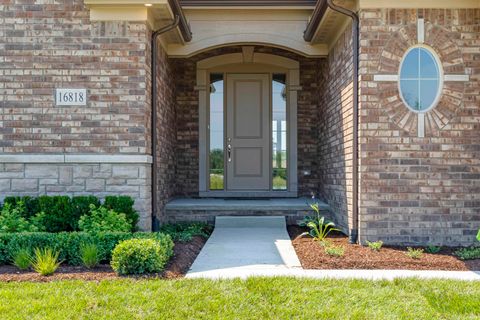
{"type": "Point", "coordinates": [312, 256]}
{"type": "Point", "coordinates": [185, 253]}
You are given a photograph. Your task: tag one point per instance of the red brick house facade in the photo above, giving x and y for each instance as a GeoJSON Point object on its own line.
{"type": "Point", "coordinates": [386, 170]}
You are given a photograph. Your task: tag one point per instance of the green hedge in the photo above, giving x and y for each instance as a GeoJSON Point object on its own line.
{"type": "Point", "coordinates": [68, 243]}
{"type": "Point", "coordinates": [62, 213]}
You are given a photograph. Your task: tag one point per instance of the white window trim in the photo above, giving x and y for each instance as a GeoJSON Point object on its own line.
{"type": "Point", "coordinates": [440, 78]}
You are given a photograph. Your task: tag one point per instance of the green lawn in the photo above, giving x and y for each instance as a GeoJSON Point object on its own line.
{"type": "Point", "coordinates": [259, 298]}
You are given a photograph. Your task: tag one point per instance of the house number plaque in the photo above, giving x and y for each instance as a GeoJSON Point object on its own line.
{"type": "Point", "coordinates": [71, 97]}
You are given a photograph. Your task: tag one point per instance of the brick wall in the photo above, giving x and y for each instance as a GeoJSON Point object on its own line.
{"type": "Point", "coordinates": [187, 119]}
{"type": "Point", "coordinates": [166, 132]}
{"type": "Point", "coordinates": [53, 44]}
{"type": "Point", "coordinates": [335, 131]}
{"type": "Point", "coordinates": [420, 190]}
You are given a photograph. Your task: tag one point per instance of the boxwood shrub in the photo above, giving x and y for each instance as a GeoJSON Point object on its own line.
{"type": "Point", "coordinates": [62, 213]}
{"type": "Point", "coordinates": [139, 256]}
{"type": "Point", "coordinates": [68, 243]}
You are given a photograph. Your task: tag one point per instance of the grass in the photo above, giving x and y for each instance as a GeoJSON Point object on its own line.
{"type": "Point", "coordinates": [255, 298]}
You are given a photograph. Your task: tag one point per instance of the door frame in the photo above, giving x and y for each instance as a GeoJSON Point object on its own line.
{"type": "Point", "coordinates": [248, 61]}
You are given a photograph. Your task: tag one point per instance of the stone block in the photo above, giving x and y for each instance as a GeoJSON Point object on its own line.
{"type": "Point", "coordinates": [82, 171]}
{"type": "Point", "coordinates": [4, 185]}
{"type": "Point", "coordinates": [41, 171]}
{"type": "Point", "coordinates": [126, 172]}
{"type": "Point", "coordinates": [65, 175]}
{"type": "Point", "coordinates": [95, 185]}
{"type": "Point", "coordinates": [24, 185]}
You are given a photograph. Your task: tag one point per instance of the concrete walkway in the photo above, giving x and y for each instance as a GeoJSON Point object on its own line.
{"type": "Point", "coordinates": [242, 247]}
{"type": "Point", "coordinates": [246, 246]}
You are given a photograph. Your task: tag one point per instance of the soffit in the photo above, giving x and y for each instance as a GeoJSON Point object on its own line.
{"type": "Point", "coordinates": [333, 24]}
{"type": "Point", "coordinates": [157, 15]}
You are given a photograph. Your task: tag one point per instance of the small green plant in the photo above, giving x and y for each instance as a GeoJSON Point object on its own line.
{"type": "Point", "coordinates": [375, 245]}
{"type": "Point", "coordinates": [478, 235]}
{"type": "Point", "coordinates": [102, 219]}
{"type": "Point", "coordinates": [123, 204]}
{"type": "Point", "coordinates": [140, 256]}
{"type": "Point", "coordinates": [414, 253]}
{"type": "Point", "coordinates": [186, 231]}
{"type": "Point", "coordinates": [22, 259]}
{"type": "Point", "coordinates": [45, 261]}
{"type": "Point", "coordinates": [335, 251]}
{"type": "Point", "coordinates": [90, 255]}
{"type": "Point", "coordinates": [432, 249]}
{"type": "Point", "coordinates": [319, 227]}
{"type": "Point", "coordinates": [12, 220]}
{"type": "Point", "coordinates": [468, 253]}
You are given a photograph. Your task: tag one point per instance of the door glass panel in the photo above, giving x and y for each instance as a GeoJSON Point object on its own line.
{"type": "Point", "coordinates": [279, 132]}
{"type": "Point", "coordinates": [216, 156]}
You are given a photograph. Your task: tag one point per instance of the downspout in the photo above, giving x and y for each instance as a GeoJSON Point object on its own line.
{"type": "Point", "coordinates": [353, 237]}
{"type": "Point", "coordinates": [153, 73]}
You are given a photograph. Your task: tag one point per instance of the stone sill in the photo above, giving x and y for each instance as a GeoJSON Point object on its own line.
{"type": "Point", "coordinates": [75, 158]}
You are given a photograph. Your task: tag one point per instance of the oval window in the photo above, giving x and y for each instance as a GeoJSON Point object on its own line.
{"type": "Point", "coordinates": [420, 79]}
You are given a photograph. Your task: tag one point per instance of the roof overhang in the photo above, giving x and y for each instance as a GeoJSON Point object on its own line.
{"type": "Point", "coordinates": [275, 26]}
{"type": "Point", "coordinates": [157, 13]}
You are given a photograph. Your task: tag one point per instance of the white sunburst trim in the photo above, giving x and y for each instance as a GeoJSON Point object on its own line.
{"type": "Point", "coordinates": [443, 77]}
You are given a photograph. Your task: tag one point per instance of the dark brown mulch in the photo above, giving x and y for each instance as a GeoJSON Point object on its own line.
{"type": "Point", "coordinates": [184, 255]}
{"type": "Point", "coordinates": [312, 256]}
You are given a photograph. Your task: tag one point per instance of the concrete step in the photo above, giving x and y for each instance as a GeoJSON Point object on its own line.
{"type": "Point", "coordinates": [250, 222]}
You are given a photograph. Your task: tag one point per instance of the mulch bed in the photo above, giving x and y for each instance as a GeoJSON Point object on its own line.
{"type": "Point", "coordinates": [184, 255]}
{"type": "Point", "coordinates": [313, 256]}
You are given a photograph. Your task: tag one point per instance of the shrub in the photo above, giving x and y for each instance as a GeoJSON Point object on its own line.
{"type": "Point", "coordinates": [90, 255]}
{"type": "Point", "coordinates": [67, 243]}
{"type": "Point", "coordinates": [468, 253]}
{"type": "Point", "coordinates": [58, 213]}
{"type": "Point", "coordinates": [375, 245]}
{"type": "Point", "coordinates": [22, 259]}
{"type": "Point", "coordinates": [123, 204]}
{"type": "Point", "coordinates": [186, 231]}
{"type": "Point", "coordinates": [432, 249]}
{"type": "Point", "coordinates": [139, 256]}
{"type": "Point", "coordinates": [45, 261]}
{"type": "Point", "coordinates": [414, 253]}
{"type": "Point", "coordinates": [31, 204]}
{"type": "Point", "coordinates": [12, 219]}
{"type": "Point", "coordinates": [102, 219]}
{"type": "Point", "coordinates": [335, 251]}
{"type": "Point", "coordinates": [80, 207]}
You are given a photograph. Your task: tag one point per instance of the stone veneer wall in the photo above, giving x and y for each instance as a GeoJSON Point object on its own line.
{"type": "Point", "coordinates": [187, 119]}
{"type": "Point", "coordinates": [104, 179]}
{"type": "Point", "coordinates": [53, 44]}
{"type": "Point", "coordinates": [420, 190]}
{"type": "Point", "coordinates": [335, 130]}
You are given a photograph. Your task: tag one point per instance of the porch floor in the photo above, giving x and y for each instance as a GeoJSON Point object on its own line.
{"type": "Point", "coordinates": [206, 209]}
{"type": "Point", "coordinates": [243, 204]}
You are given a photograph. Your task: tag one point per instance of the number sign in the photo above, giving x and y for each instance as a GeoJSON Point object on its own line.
{"type": "Point", "coordinates": [71, 97]}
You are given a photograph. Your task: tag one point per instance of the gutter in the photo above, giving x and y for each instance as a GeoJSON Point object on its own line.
{"type": "Point", "coordinates": [312, 26]}
{"type": "Point", "coordinates": [183, 24]}
{"type": "Point", "coordinates": [153, 127]}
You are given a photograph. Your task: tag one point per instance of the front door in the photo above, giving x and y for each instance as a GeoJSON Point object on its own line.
{"type": "Point", "coordinates": [248, 132]}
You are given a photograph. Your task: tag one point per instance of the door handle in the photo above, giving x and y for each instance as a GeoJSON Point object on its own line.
{"type": "Point", "coordinates": [229, 152]}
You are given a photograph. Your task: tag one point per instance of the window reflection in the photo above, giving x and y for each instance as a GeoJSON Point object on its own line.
{"type": "Point", "coordinates": [216, 169]}
{"type": "Point", "coordinates": [279, 132]}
